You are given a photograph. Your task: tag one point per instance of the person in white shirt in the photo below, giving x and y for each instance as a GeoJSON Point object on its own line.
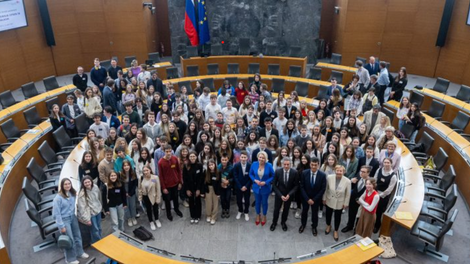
{"type": "Point", "coordinates": [100, 128]}
{"type": "Point", "coordinates": [280, 121]}
{"type": "Point", "coordinates": [151, 127]}
{"type": "Point", "coordinates": [364, 77]}
{"type": "Point", "coordinates": [204, 99]}
{"type": "Point", "coordinates": [213, 108]}
{"type": "Point", "coordinates": [144, 75]}
{"type": "Point", "coordinates": [230, 113]}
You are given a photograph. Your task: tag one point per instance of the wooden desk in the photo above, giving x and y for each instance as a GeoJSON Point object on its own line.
{"type": "Point", "coordinates": [243, 62]}
{"type": "Point", "coordinates": [70, 167]}
{"type": "Point", "coordinates": [159, 67]}
{"type": "Point", "coordinates": [326, 69]}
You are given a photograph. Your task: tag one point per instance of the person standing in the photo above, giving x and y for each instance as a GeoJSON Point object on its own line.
{"type": "Point", "coordinates": [312, 187]}
{"type": "Point", "coordinates": [89, 207]}
{"type": "Point", "coordinates": [383, 81]}
{"type": "Point", "coordinates": [358, 186]}
{"type": "Point", "coordinates": [114, 69]}
{"type": "Point", "coordinates": [242, 185]}
{"type": "Point", "coordinates": [212, 191]}
{"type": "Point", "coordinates": [369, 201]}
{"type": "Point", "coordinates": [113, 196]}
{"type": "Point", "coordinates": [285, 185]}
{"type": "Point", "coordinates": [193, 178]}
{"type": "Point", "coordinates": [129, 178]}
{"type": "Point", "coordinates": [98, 75]}
{"type": "Point", "coordinates": [63, 211]}
{"type": "Point", "coordinates": [150, 194]}
{"type": "Point", "coordinates": [262, 174]}
{"type": "Point", "coordinates": [171, 181]}
{"type": "Point", "coordinates": [226, 179]}
{"type": "Point", "coordinates": [386, 180]}
{"type": "Point", "coordinates": [80, 80]}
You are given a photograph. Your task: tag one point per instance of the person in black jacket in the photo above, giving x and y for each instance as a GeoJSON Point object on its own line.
{"type": "Point", "coordinates": [56, 117]}
{"type": "Point", "coordinates": [243, 184]}
{"type": "Point", "coordinates": [89, 167]}
{"type": "Point", "coordinates": [358, 186]}
{"type": "Point", "coordinates": [98, 75]}
{"type": "Point", "coordinates": [114, 199]}
{"type": "Point", "coordinates": [399, 85]}
{"type": "Point", "coordinates": [268, 129]}
{"type": "Point", "coordinates": [129, 179]}
{"type": "Point", "coordinates": [368, 160]}
{"type": "Point", "coordinates": [114, 69]}
{"type": "Point", "coordinates": [80, 80]}
{"type": "Point", "coordinates": [193, 178]}
{"type": "Point", "coordinates": [157, 84]}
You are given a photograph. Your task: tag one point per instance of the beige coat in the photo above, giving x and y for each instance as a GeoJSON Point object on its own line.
{"type": "Point", "coordinates": [337, 198]}
{"type": "Point", "coordinates": [368, 119]}
{"type": "Point", "coordinates": [86, 208]}
{"type": "Point", "coordinates": [92, 106]}
{"type": "Point", "coordinates": [154, 193]}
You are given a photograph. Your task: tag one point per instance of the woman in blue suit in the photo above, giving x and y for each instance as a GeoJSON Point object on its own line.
{"type": "Point", "coordinates": [261, 173]}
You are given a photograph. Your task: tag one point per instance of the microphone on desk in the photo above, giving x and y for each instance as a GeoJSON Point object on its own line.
{"type": "Point", "coordinates": [76, 161]}
{"type": "Point", "coordinates": [408, 169]}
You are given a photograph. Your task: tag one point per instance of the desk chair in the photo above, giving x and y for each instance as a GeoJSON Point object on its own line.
{"type": "Point", "coordinates": [294, 51]}
{"type": "Point", "coordinates": [128, 60]}
{"type": "Point", "coordinates": [172, 73]}
{"type": "Point", "coordinates": [154, 56]}
{"type": "Point", "coordinates": [253, 68]}
{"type": "Point", "coordinates": [338, 75]}
{"type": "Point", "coordinates": [63, 140]}
{"type": "Point", "coordinates": [463, 94]}
{"type": "Point", "coordinates": [47, 227]}
{"type": "Point", "coordinates": [191, 51]}
{"type": "Point", "coordinates": [51, 157]}
{"type": "Point", "coordinates": [438, 186]}
{"type": "Point", "coordinates": [277, 85]}
{"type": "Point", "coordinates": [32, 117]}
{"type": "Point", "coordinates": [29, 90]}
{"type": "Point", "coordinates": [273, 69]}
{"type": "Point", "coordinates": [52, 101]}
{"type": "Point", "coordinates": [11, 131]}
{"type": "Point", "coordinates": [459, 123]}
{"type": "Point", "coordinates": [436, 110]}
{"type": "Point", "coordinates": [186, 84]}
{"type": "Point", "coordinates": [440, 159]}
{"type": "Point", "coordinates": [322, 93]}
{"type": "Point", "coordinates": [216, 50]}
{"type": "Point", "coordinates": [233, 68]}
{"type": "Point", "coordinates": [426, 140]}
{"type": "Point", "coordinates": [40, 202]}
{"type": "Point", "coordinates": [106, 64]}
{"type": "Point", "coordinates": [295, 71]}
{"type": "Point", "coordinates": [50, 83]}
{"type": "Point", "coordinates": [81, 125]}
{"type": "Point", "coordinates": [335, 58]}
{"type": "Point", "coordinates": [417, 98]}
{"type": "Point", "coordinates": [212, 68]}
{"type": "Point", "coordinates": [302, 88]}
{"type": "Point", "coordinates": [39, 176]}
{"type": "Point", "coordinates": [7, 99]}
{"type": "Point", "coordinates": [271, 50]}
{"type": "Point", "coordinates": [244, 46]}
{"type": "Point", "coordinates": [192, 70]}
{"type": "Point", "coordinates": [441, 85]}
{"type": "Point", "coordinates": [209, 82]}
{"type": "Point", "coordinates": [434, 235]}
{"type": "Point", "coordinates": [407, 130]}
{"type": "Point", "coordinates": [314, 73]}
{"type": "Point", "coordinates": [439, 211]}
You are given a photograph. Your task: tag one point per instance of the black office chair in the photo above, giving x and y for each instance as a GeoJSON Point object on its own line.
{"type": "Point", "coordinates": [51, 157]}
{"type": "Point", "coordinates": [212, 68]}
{"type": "Point", "coordinates": [39, 176]}
{"type": "Point", "coordinates": [81, 124]}
{"type": "Point", "coordinates": [302, 88]}
{"type": "Point", "coordinates": [233, 68]}
{"type": "Point", "coordinates": [128, 60]}
{"type": "Point", "coordinates": [271, 50]}
{"type": "Point", "coordinates": [29, 90]}
{"type": "Point", "coordinates": [42, 203]}
{"type": "Point", "coordinates": [314, 73]}
{"type": "Point", "coordinates": [273, 69]}
{"type": "Point", "coordinates": [439, 210]}
{"type": "Point", "coordinates": [154, 56]}
{"type": "Point", "coordinates": [50, 102]}
{"type": "Point", "coordinates": [322, 93]}
{"type": "Point", "coordinates": [437, 187]}
{"type": "Point", "coordinates": [335, 58]}
{"type": "Point", "coordinates": [209, 82]}
{"type": "Point", "coordinates": [216, 50]}
{"type": "Point", "coordinates": [232, 80]}
{"type": "Point", "coordinates": [187, 84]}
{"type": "Point", "coordinates": [417, 98]}
{"type": "Point", "coordinates": [50, 83]}
{"type": "Point", "coordinates": [432, 234]}
{"type": "Point", "coordinates": [244, 46]}
{"type": "Point", "coordinates": [47, 227]}
{"type": "Point", "coordinates": [106, 64]}
{"type": "Point", "coordinates": [364, 60]}
{"type": "Point", "coordinates": [463, 94]}
{"type": "Point", "coordinates": [459, 123]}
{"type": "Point", "coordinates": [7, 99]}
{"type": "Point", "coordinates": [32, 117]}
{"type": "Point", "coordinates": [192, 70]}
{"type": "Point", "coordinates": [63, 140]}
{"type": "Point", "coordinates": [338, 75]}
{"type": "Point", "coordinates": [11, 131]}
{"type": "Point", "coordinates": [253, 68]}
{"type": "Point", "coordinates": [294, 51]}
{"type": "Point", "coordinates": [440, 160]}
{"type": "Point", "coordinates": [389, 113]}
{"type": "Point", "coordinates": [436, 110]}
{"type": "Point", "coordinates": [295, 71]}
{"type": "Point", "coordinates": [277, 85]}
{"type": "Point", "coordinates": [441, 85]}
{"type": "Point", "coordinates": [191, 51]}
{"type": "Point", "coordinates": [426, 141]}
{"type": "Point", "coordinates": [172, 73]}
{"type": "Point", "coordinates": [407, 130]}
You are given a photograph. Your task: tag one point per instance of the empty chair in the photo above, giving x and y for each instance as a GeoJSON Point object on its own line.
{"type": "Point", "coordinates": [364, 61]}
{"type": "Point", "coordinates": [389, 113]}
{"type": "Point", "coordinates": [335, 58]}
{"type": "Point", "coordinates": [186, 84]}
{"type": "Point", "coordinates": [81, 124]}
{"type": "Point", "coordinates": [191, 51]}
{"type": "Point", "coordinates": [295, 71]}
{"type": "Point", "coordinates": [47, 226]}
{"type": "Point", "coordinates": [50, 102]}
{"type": "Point", "coordinates": [11, 131]}
{"type": "Point", "coordinates": [301, 88]}
{"type": "Point", "coordinates": [128, 60]}
{"type": "Point", "coordinates": [32, 117]}
{"type": "Point", "coordinates": [51, 157]}
{"type": "Point", "coordinates": [417, 98]}
{"type": "Point", "coordinates": [438, 186]}
{"type": "Point", "coordinates": [172, 73]}
{"type": "Point", "coordinates": [426, 141]}
{"type": "Point", "coordinates": [64, 141]}
{"type": "Point", "coordinates": [209, 82]}
{"type": "Point", "coordinates": [277, 85]}
{"type": "Point", "coordinates": [294, 51]}
{"type": "Point", "coordinates": [314, 73]}
{"type": "Point", "coordinates": [7, 99]}
{"type": "Point", "coordinates": [42, 203]}
{"type": "Point", "coordinates": [192, 70]}
{"type": "Point", "coordinates": [244, 46]}
{"type": "Point", "coordinates": [463, 94]}
{"type": "Point", "coordinates": [440, 160]}
{"type": "Point", "coordinates": [29, 90]}
{"type": "Point", "coordinates": [441, 85]}
{"type": "Point", "coordinates": [232, 80]}
{"type": "Point", "coordinates": [50, 83]}
{"type": "Point", "coordinates": [273, 69]}
{"type": "Point", "coordinates": [154, 56]}
{"type": "Point", "coordinates": [337, 75]}
{"type": "Point", "coordinates": [459, 123]}
{"type": "Point", "coordinates": [212, 68]}
{"type": "Point", "coordinates": [407, 130]}
{"type": "Point", "coordinates": [439, 210]}
{"type": "Point", "coordinates": [436, 110]}
{"type": "Point", "coordinates": [39, 176]}
{"type": "Point", "coordinates": [322, 93]}
{"type": "Point", "coordinates": [271, 50]}
{"type": "Point", "coordinates": [253, 68]}
{"type": "Point", "coordinates": [233, 68]}
{"type": "Point", "coordinates": [216, 50]}
{"type": "Point", "coordinates": [432, 234]}
{"type": "Point", "coordinates": [105, 64]}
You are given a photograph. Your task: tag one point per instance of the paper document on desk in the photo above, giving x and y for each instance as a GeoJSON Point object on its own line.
{"type": "Point", "coordinates": [365, 243]}
{"type": "Point", "coordinates": [403, 215]}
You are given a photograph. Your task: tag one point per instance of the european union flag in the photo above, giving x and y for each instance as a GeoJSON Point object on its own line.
{"type": "Point", "coordinates": [203, 23]}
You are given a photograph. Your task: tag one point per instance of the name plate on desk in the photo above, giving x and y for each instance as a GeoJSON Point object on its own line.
{"type": "Point", "coordinates": [33, 131]}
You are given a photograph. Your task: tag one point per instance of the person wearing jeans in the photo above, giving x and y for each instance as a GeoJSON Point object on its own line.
{"type": "Point", "coordinates": [114, 199]}
{"type": "Point", "coordinates": [89, 207]}
{"type": "Point", "coordinates": [242, 185]}
{"type": "Point", "coordinates": [129, 178]}
{"type": "Point", "coordinates": [63, 211]}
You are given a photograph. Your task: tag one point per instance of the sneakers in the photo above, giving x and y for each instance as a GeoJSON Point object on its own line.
{"type": "Point", "coordinates": [320, 214]}
{"type": "Point", "coordinates": [152, 226]}
{"type": "Point", "coordinates": [297, 214]}
{"type": "Point", "coordinates": [137, 216]}
{"type": "Point", "coordinates": [213, 222]}
{"type": "Point", "coordinates": [192, 221]}
{"type": "Point", "coordinates": [134, 221]}
{"type": "Point", "coordinates": [208, 219]}
{"type": "Point", "coordinates": [84, 256]}
{"type": "Point", "coordinates": [196, 221]}
{"type": "Point", "coordinates": [157, 222]}
{"type": "Point", "coordinates": [185, 204]}
{"type": "Point", "coordinates": [294, 205]}
{"type": "Point", "coordinates": [247, 218]}
{"type": "Point", "coordinates": [129, 222]}
{"type": "Point", "coordinates": [238, 215]}
{"type": "Point", "coordinates": [74, 262]}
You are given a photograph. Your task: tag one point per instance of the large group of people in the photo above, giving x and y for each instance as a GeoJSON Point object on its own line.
{"type": "Point", "coordinates": [149, 148]}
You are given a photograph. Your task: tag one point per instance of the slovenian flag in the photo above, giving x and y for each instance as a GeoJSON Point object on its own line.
{"type": "Point", "coordinates": [204, 35]}
{"type": "Point", "coordinates": [190, 23]}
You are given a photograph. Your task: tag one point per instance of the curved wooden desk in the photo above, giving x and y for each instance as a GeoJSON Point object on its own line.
{"type": "Point", "coordinates": [243, 62]}
{"type": "Point", "coordinates": [159, 67]}
{"type": "Point", "coordinates": [326, 69]}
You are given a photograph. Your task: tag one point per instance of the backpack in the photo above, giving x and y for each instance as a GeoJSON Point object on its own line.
{"type": "Point", "coordinates": [143, 234]}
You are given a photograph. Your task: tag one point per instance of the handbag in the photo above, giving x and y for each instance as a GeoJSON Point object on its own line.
{"type": "Point", "coordinates": [385, 242]}
{"type": "Point", "coordinates": [64, 242]}
{"type": "Point", "coordinates": [430, 164]}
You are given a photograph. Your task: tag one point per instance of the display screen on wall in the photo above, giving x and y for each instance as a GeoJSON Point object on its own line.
{"type": "Point", "coordinates": [12, 14]}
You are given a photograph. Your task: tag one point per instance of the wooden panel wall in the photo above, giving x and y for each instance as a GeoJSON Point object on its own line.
{"type": "Point", "coordinates": [327, 18]}
{"type": "Point", "coordinates": [163, 22]}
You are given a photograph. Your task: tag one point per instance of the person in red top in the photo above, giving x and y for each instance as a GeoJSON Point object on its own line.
{"type": "Point", "coordinates": [369, 201]}
{"type": "Point", "coordinates": [171, 181]}
{"type": "Point", "coordinates": [241, 92]}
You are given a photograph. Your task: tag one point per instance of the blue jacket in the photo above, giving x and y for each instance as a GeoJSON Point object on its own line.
{"type": "Point", "coordinates": [254, 155]}
{"type": "Point", "coordinates": [114, 121]}
{"type": "Point", "coordinates": [240, 179]}
{"type": "Point", "coordinates": [98, 76]}
{"type": "Point", "coordinates": [283, 138]}
{"type": "Point", "coordinates": [109, 98]}
{"type": "Point", "coordinates": [268, 177]}
{"type": "Point", "coordinates": [232, 90]}
{"type": "Point", "coordinates": [371, 71]}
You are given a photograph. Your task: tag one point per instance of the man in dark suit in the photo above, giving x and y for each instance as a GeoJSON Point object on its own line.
{"type": "Point", "coordinates": [109, 118]}
{"type": "Point", "coordinates": [80, 80]}
{"type": "Point", "coordinates": [334, 85]}
{"type": "Point", "coordinates": [312, 186]}
{"type": "Point", "coordinates": [262, 147]}
{"type": "Point", "coordinates": [157, 84]}
{"type": "Point", "coordinates": [368, 160]}
{"type": "Point", "coordinates": [268, 129]}
{"type": "Point", "coordinates": [372, 67]}
{"type": "Point", "coordinates": [71, 111]}
{"type": "Point", "coordinates": [358, 186]}
{"type": "Point", "coordinates": [289, 108]}
{"type": "Point", "coordinates": [268, 113]}
{"type": "Point", "coordinates": [109, 97]}
{"type": "Point", "coordinates": [285, 184]}
{"type": "Point", "coordinates": [241, 171]}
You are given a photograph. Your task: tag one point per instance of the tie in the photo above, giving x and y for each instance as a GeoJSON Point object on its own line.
{"type": "Point", "coordinates": [360, 185]}
{"type": "Point", "coordinates": [312, 179]}
{"type": "Point", "coordinates": [286, 177]}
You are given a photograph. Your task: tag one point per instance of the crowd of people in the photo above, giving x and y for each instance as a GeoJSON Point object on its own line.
{"type": "Point", "coordinates": [149, 148]}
